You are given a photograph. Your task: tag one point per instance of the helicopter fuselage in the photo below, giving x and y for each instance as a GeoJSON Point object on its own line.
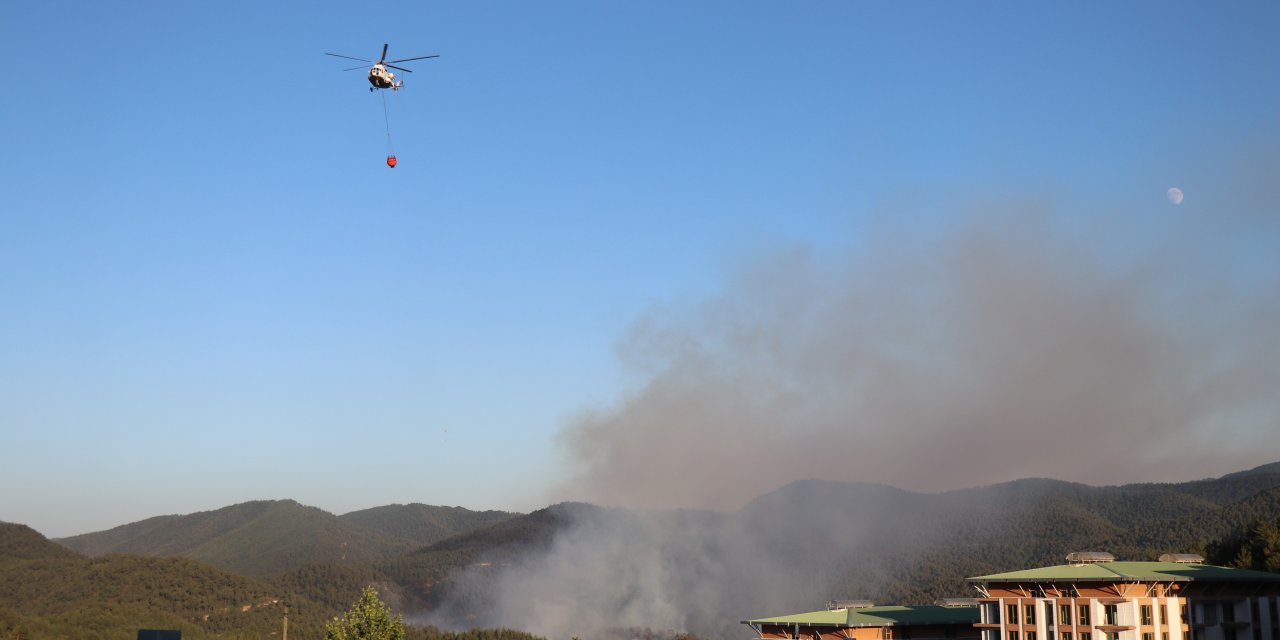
{"type": "Point", "coordinates": [380, 75]}
{"type": "Point", "coordinates": [382, 78]}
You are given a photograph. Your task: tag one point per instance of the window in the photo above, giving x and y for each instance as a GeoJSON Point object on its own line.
{"type": "Point", "coordinates": [991, 612]}
{"type": "Point", "coordinates": [1164, 614]}
{"type": "Point", "coordinates": [1164, 635]}
{"type": "Point", "coordinates": [1085, 635]}
{"type": "Point", "coordinates": [1011, 615]}
{"type": "Point", "coordinates": [1031, 635]}
{"type": "Point", "coordinates": [1229, 633]}
{"type": "Point", "coordinates": [1084, 615]}
{"type": "Point", "coordinates": [1064, 613]}
{"type": "Point", "coordinates": [1111, 614]}
{"type": "Point", "coordinates": [1229, 613]}
{"type": "Point", "coordinates": [1013, 635]}
{"type": "Point", "coordinates": [1113, 635]}
{"type": "Point", "coordinates": [1145, 610]}
{"type": "Point", "coordinates": [1148, 636]}
{"type": "Point", "coordinates": [1066, 635]}
{"type": "Point", "coordinates": [1031, 614]}
{"type": "Point", "coordinates": [1048, 614]}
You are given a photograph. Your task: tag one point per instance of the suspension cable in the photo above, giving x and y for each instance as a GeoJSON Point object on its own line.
{"type": "Point", "coordinates": [387, 119]}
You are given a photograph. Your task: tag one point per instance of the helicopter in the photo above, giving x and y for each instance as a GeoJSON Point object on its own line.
{"type": "Point", "coordinates": [379, 76]}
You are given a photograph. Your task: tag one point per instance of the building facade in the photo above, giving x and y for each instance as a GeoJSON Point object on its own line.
{"type": "Point", "coordinates": [1096, 598]}
{"type": "Point", "coordinates": [1093, 597]}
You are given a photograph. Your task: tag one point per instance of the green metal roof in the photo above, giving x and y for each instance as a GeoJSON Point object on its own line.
{"type": "Point", "coordinates": [1130, 572]}
{"type": "Point", "coordinates": [877, 617]}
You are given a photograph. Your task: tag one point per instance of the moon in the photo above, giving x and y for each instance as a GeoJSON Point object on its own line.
{"type": "Point", "coordinates": [1175, 195]}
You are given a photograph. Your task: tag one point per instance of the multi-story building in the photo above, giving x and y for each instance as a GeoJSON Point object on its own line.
{"type": "Point", "coordinates": [1096, 598]}
{"type": "Point", "coordinates": [1093, 597]}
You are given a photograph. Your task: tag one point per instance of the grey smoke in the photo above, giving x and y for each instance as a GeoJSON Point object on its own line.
{"type": "Point", "coordinates": [610, 571]}
{"type": "Point", "coordinates": [1014, 341]}
{"type": "Point", "coordinates": [1013, 344]}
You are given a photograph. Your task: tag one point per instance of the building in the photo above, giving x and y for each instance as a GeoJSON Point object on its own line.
{"type": "Point", "coordinates": [1093, 597]}
{"type": "Point", "coordinates": [861, 621]}
{"type": "Point", "coordinates": [1096, 598]}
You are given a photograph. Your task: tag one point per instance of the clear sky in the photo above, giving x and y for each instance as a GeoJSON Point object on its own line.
{"type": "Point", "coordinates": [213, 289]}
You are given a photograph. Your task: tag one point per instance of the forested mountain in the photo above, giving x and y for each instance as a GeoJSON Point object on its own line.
{"type": "Point", "coordinates": [427, 576]}
{"type": "Point", "coordinates": [49, 591]}
{"type": "Point", "coordinates": [811, 541]}
{"type": "Point", "coordinates": [786, 551]}
{"type": "Point", "coordinates": [1195, 532]}
{"type": "Point", "coordinates": [20, 542]}
{"type": "Point", "coordinates": [421, 579]}
{"type": "Point", "coordinates": [903, 547]}
{"type": "Point", "coordinates": [1273, 467]}
{"type": "Point", "coordinates": [424, 524]}
{"type": "Point", "coordinates": [268, 538]}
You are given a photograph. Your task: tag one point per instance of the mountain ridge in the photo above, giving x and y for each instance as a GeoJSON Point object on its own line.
{"type": "Point", "coordinates": [52, 591]}
{"type": "Point", "coordinates": [791, 548]}
{"type": "Point", "coordinates": [424, 524]}
{"type": "Point", "coordinates": [263, 538]}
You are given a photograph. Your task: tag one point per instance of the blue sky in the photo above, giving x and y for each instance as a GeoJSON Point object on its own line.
{"type": "Point", "coordinates": [216, 291]}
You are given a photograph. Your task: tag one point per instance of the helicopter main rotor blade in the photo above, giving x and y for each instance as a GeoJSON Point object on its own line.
{"type": "Point", "coordinates": [384, 53]}
{"type": "Point", "coordinates": [400, 68]}
{"type": "Point", "coordinates": [418, 58]}
{"type": "Point", "coordinates": [354, 68]}
{"type": "Point", "coordinates": [347, 57]}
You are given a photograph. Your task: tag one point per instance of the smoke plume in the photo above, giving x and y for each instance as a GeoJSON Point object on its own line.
{"type": "Point", "coordinates": [1010, 342]}
{"type": "Point", "coordinates": [1014, 343]}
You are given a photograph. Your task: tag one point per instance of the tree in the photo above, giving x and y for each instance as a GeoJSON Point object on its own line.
{"type": "Point", "coordinates": [1257, 547]}
{"type": "Point", "coordinates": [368, 619]}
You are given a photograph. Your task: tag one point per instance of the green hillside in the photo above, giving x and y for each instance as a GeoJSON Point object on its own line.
{"type": "Point", "coordinates": [51, 592]}
{"type": "Point", "coordinates": [262, 538]}
{"type": "Point", "coordinates": [20, 542]}
{"type": "Point", "coordinates": [919, 547]}
{"type": "Point", "coordinates": [787, 550]}
{"type": "Point", "coordinates": [1195, 533]}
{"type": "Point", "coordinates": [424, 524]}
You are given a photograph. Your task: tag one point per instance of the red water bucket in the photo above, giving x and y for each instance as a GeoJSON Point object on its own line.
{"type": "Point", "coordinates": [391, 161]}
